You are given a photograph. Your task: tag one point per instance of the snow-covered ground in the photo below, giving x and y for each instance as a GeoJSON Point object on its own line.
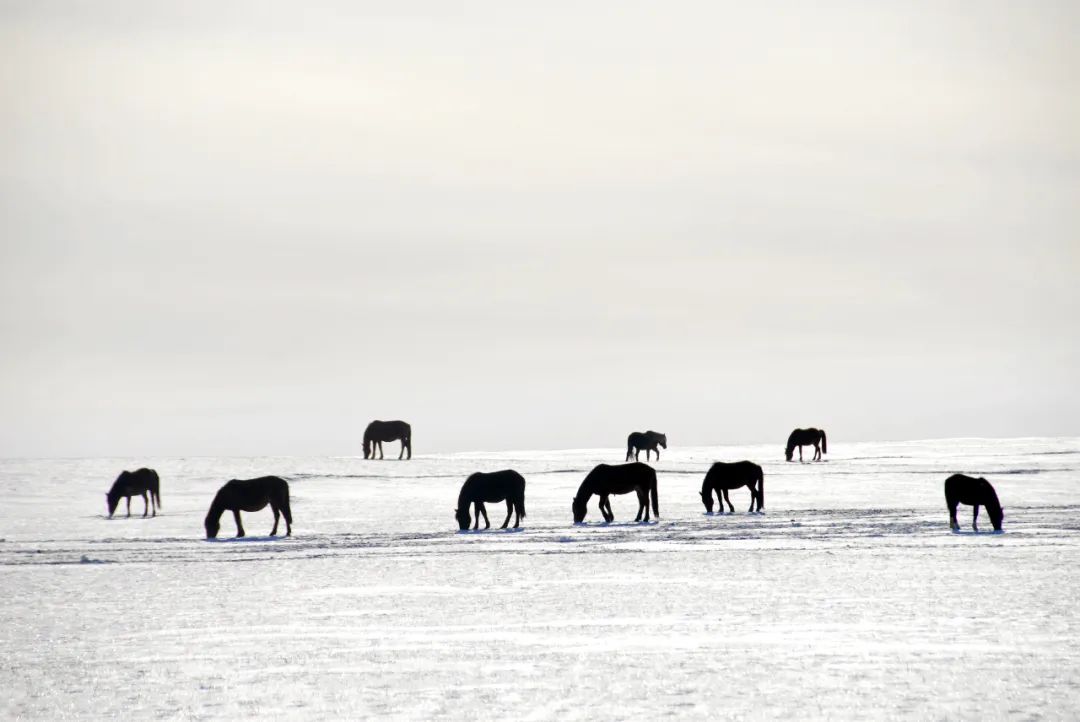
{"type": "Point", "coordinates": [849, 598]}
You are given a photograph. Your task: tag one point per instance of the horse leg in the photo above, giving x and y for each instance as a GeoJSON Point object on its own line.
{"type": "Point", "coordinates": [953, 523]}
{"type": "Point", "coordinates": [277, 513]}
{"type": "Point", "coordinates": [129, 507]}
{"type": "Point", "coordinates": [146, 506]}
{"type": "Point", "coordinates": [381, 451]}
{"type": "Point", "coordinates": [800, 453]}
{"type": "Point", "coordinates": [817, 451]}
{"type": "Point", "coordinates": [509, 512]}
{"type": "Point", "coordinates": [402, 454]}
{"type": "Point", "coordinates": [483, 510]}
{"type": "Point", "coordinates": [727, 498]}
{"type": "Point", "coordinates": [239, 526]}
{"type": "Point", "coordinates": [753, 497]}
{"type": "Point", "coordinates": [605, 508]}
{"type": "Point", "coordinates": [975, 519]}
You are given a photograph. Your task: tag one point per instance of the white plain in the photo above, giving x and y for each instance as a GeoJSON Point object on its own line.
{"type": "Point", "coordinates": [849, 598]}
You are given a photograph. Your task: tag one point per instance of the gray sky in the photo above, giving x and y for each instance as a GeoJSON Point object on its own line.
{"type": "Point", "coordinates": [250, 228]}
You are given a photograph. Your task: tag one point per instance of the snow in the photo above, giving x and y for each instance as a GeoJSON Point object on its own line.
{"type": "Point", "coordinates": [849, 597]}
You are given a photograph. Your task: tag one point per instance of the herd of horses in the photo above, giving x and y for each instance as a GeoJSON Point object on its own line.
{"type": "Point", "coordinates": [479, 489]}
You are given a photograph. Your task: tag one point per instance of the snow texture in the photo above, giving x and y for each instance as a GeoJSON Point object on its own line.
{"type": "Point", "coordinates": [848, 598]}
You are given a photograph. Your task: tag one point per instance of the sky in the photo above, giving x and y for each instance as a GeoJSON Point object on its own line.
{"type": "Point", "coordinates": [249, 228]}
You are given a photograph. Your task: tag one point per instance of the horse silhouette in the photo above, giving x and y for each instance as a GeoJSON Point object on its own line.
{"type": "Point", "coordinates": [250, 495]}
{"type": "Point", "coordinates": [379, 431]}
{"type": "Point", "coordinates": [496, 486]}
{"type": "Point", "coordinates": [647, 440]}
{"type": "Point", "coordinates": [723, 477]}
{"type": "Point", "coordinates": [607, 479]}
{"type": "Point", "coordinates": [806, 437]}
{"type": "Point", "coordinates": [135, 483]}
{"type": "Point", "coordinates": [960, 489]}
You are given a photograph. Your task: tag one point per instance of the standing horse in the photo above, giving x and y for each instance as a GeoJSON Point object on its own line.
{"type": "Point", "coordinates": [723, 477]}
{"type": "Point", "coordinates": [805, 437]}
{"type": "Point", "coordinates": [379, 431]}
{"type": "Point", "coordinates": [135, 483]}
{"type": "Point", "coordinates": [250, 495]}
{"type": "Point", "coordinates": [607, 479]}
{"type": "Point", "coordinates": [960, 489]}
{"type": "Point", "coordinates": [647, 440]}
{"type": "Point", "coordinates": [496, 486]}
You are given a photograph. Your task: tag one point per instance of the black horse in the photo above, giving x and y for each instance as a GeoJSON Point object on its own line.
{"type": "Point", "coordinates": [723, 477]}
{"type": "Point", "coordinates": [379, 431]}
{"type": "Point", "coordinates": [960, 489]}
{"type": "Point", "coordinates": [806, 437]}
{"type": "Point", "coordinates": [496, 486]}
{"type": "Point", "coordinates": [607, 479]}
{"type": "Point", "coordinates": [647, 440]}
{"type": "Point", "coordinates": [250, 495]}
{"type": "Point", "coordinates": [135, 483]}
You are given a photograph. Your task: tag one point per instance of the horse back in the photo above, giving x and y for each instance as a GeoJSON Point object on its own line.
{"type": "Point", "coordinates": [621, 478]}
{"type": "Point", "coordinates": [738, 472]}
{"type": "Point", "coordinates": [492, 487]}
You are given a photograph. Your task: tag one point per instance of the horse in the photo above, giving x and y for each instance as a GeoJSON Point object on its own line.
{"type": "Point", "coordinates": [723, 477]}
{"type": "Point", "coordinates": [496, 486]}
{"type": "Point", "coordinates": [647, 440]}
{"type": "Point", "coordinates": [960, 489]}
{"type": "Point", "coordinates": [607, 479]}
{"type": "Point", "coordinates": [379, 431]}
{"type": "Point", "coordinates": [805, 437]}
{"type": "Point", "coordinates": [250, 495]}
{"type": "Point", "coordinates": [135, 483]}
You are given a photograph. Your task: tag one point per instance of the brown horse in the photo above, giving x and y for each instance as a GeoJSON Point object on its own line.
{"type": "Point", "coordinates": [135, 483]}
{"type": "Point", "coordinates": [605, 480]}
{"type": "Point", "coordinates": [960, 489]}
{"type": "Point", "coordinates": [723, 477]}
{"type": "Point", "coordinates": [250, 495]}
{"type": "Point", "coordinates": [648, 440]}
{"type": "Point", "coordinates": [493, 487]}
{"type": "Point", "coordinates": [379, 431]}
{"type": "Point", "coordinates": [806, 437]}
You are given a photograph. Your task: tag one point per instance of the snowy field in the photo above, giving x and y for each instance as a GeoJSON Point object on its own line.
{"type": "Point", "coordinates": [849, 598]}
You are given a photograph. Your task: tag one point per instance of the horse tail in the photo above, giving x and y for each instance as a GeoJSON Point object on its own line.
{"type": "Point", "coordinates": [521, 501]}
{"type": "Point", "coordinates": [761, 489]}
{"type": "Point", "coordinates": [286, 510]}
{"type": "Point", "coordinates": [629, 447]}
{"type": "Point", "coordinates": [156, 493]}
{"type": "Point", "coordinates": [824, 443]}
{"type": "Point", "coordinates": [655, 499]}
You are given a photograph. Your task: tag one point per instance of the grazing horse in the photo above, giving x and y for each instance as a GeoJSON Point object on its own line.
{"type": "Point", "coordinates": [496, 486]}
{"type": "Point", "coordinates": [250, 495]}
{"type": "Point", "coordinates": [379, 431]}
{"type": "Point", "coordinates": [805, 437]}
{"type": "Point", "coordinates": [723, 477]}
{"type": "Point", "coordinates": [135, 483]}
{"type": "Point", "coordinates": [960, 489]}
{"type": "Point", "coordinates": [607, 479]}
{"type": "Point", "coordinates": [647, 440]}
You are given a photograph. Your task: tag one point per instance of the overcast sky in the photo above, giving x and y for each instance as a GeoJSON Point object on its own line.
{"type": "Point", "coordinates": [250, 228]}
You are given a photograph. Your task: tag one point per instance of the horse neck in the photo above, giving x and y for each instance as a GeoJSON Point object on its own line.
{"type": "Point", "coordinates": [217, 507]}
{"type": "Point", "coordinates": [463, 498]}
{"type": "Point", "coordinates": [587, 488]}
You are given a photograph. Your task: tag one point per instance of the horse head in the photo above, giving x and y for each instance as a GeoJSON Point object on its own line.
{"type": "Point", "coordinates": [111, 501]}
{"type": "Point", "coordinates": [462, 516]}
{"type": "Point", "coordinates": [706, 499]}
{"type": "Point", "coordinates": [212, 527]}
{"type": "Point", "coordinates": [789, 452]}
{"type": "Point", "coordinates": [367, 448]}
{"type": "Point", "coordinates": [578, 508]}
{"type": "Point", "coordinates": [662, 439]}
